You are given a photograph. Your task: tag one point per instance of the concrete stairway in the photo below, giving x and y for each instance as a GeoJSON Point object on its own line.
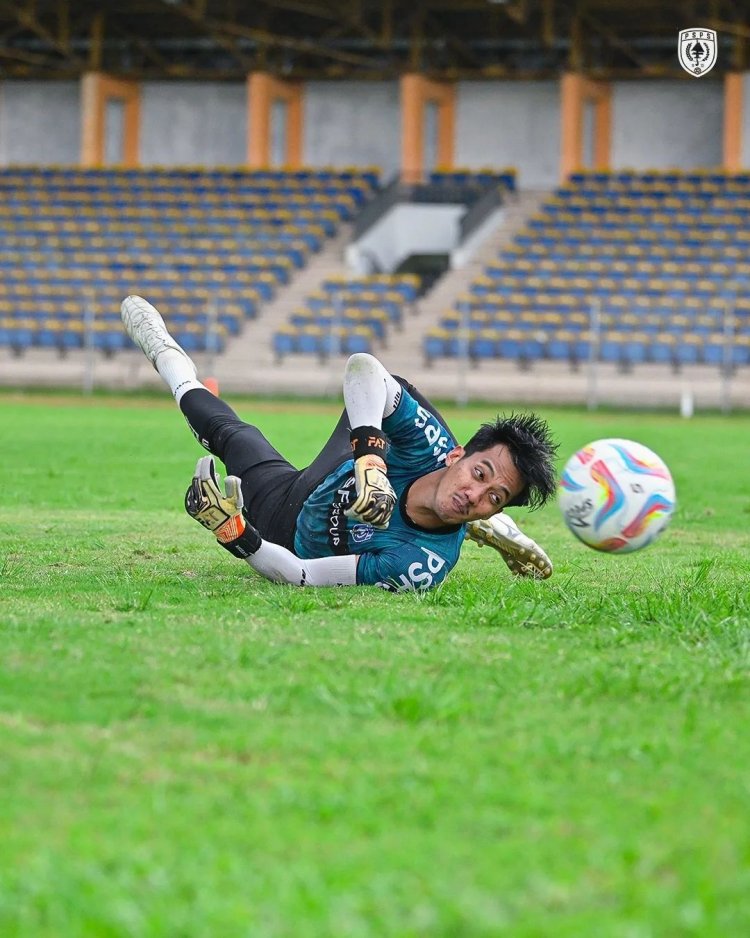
{"type": "Point", "coordinates": [248, 363]}
{"type": "Point", "coordinates": [249, 366]}
{"type": "Point", "coordinates": [405, 354]}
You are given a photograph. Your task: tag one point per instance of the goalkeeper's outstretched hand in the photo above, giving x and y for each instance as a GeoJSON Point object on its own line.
{"type": "Point", "coordinates": [375, 499]}
{"type": "Point", "coordinates": [204, 501]}
{"type": "Point", "coordinates": [522, 555]}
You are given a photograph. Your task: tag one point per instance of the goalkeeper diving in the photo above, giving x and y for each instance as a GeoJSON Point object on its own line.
{"type": "Point", "coordinates": [389, 499]}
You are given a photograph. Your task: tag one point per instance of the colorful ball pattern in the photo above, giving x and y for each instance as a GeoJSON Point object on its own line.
{"type": "Point", "coordinates": [616, 495]}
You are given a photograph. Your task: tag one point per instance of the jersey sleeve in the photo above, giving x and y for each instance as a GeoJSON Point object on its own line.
{"type": "Point", "coordinates": [276, 563]}
{"type": "Point", "coordinates": [417, 438]}
{"type": "Point", "coordinates": [402, 568]}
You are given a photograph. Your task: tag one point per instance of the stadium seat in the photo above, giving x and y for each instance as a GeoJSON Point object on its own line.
{"type": "Point", "coordinates": [220, 241]}
{"type": "Point", "coordinates": [352, 314]}
{"type": "Point", "coordinates": [652, 251]}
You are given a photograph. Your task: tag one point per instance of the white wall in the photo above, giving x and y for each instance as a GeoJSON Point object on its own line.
{"type": "Point", "coordinates": [510, 124]}
{"type": "Point", "coordinates": [352, 124]}
{"type": "Point", "coordinates": [40, 122]}
{"type": "Point", "coordinates": [666, 124]}
{"type": "Point", "coordinates": [201, 123]}
{"type": "Point", "coordinates": [404, 230]}
{"type": "Point", "coordinates": [657, 124]}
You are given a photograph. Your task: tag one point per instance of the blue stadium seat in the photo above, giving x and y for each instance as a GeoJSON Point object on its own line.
{"type": "Point", "coordinates": [113, 231]}
{"type": "Point", "coordinates": [654, 250]}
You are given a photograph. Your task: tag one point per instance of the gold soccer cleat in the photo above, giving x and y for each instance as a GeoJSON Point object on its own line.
{"type": "Point", "coordinates": [524, 556]}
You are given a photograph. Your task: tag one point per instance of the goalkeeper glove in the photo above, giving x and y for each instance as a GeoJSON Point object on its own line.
{"type": "Point", "coordinates": [522, 555]}
{"type": "Point", "coordinates": [221, 514]}
{"type": "Point", "coordinates": [375, 499]}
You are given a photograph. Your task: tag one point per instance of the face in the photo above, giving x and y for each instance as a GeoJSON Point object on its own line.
{"type": "Point", "coordinates": [476, 486]}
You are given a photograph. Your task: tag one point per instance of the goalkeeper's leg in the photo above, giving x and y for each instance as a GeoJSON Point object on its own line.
{"type": "Point", "coordinates": [267, 478]}
{"type": "Point", "coordinates": [265, 475]}
{"type": "Point", "coordinates": [144, 325]}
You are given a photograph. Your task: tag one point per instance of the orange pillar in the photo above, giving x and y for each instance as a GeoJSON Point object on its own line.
{"type": "Point", "coordinates": [575, 92]}
{"type": "Point", "coordinates": [262, 91]}
{"type": "Point", "coordinates": [96, 90]}
{"type": "Point", "coordinates": [602, 97]}
{"type": "Point", "coordinates": [416, 92]}
{"type": "Point", "coordinates": [733, 121]}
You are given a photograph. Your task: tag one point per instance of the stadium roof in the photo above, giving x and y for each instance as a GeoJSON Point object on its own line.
{"type": "Point", "coordinates": [361, 39]}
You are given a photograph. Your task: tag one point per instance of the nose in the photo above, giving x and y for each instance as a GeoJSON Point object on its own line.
{"type": "Point", "coordinates": [477, 494]}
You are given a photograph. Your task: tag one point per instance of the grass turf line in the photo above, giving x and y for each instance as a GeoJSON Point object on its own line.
{"type": "Point", "coordinates": [189, 750]}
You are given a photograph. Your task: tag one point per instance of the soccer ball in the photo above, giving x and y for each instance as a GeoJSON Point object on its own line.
{"type": "Point", "coordinates": [616, 495]}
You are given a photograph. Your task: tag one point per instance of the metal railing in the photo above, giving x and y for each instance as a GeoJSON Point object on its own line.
{"type": "Point", "coordinates": [479, 212]}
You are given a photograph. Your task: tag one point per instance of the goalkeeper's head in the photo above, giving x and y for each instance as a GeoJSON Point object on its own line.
{"type": "Point", "coordinates": [529, 441]}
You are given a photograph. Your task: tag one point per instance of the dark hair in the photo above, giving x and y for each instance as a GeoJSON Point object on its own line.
{"type": "Point", "coordinates": [532, 450]}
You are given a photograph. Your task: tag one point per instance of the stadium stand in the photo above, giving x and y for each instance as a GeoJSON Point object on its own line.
{"type": "Point", "coordinates": [646, 267]}
{"type": "Point", "coordinates": [208, 246]}
{"type": "Point", "coordinates": [348, 314]}
{"type": "Point", "coordinates": [479, 179]}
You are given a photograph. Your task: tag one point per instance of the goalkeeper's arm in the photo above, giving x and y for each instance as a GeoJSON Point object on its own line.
{"type": "Point", "coordinates": [222, 514]}
{"type": "Point", "coordinates": [370, 394]}
{"type": "Point", "coordinates": [282, 566]}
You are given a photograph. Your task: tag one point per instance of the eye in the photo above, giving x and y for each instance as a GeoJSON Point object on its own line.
{"type": "Point", "coordinates": [495, 499]}
{"type": "Point", "coordinates": [479, 473]}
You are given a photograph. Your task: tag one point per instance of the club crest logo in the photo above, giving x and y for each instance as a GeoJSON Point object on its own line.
{"type": "Point", "coordinates": [697, 50]}
{"type": "Point", "coordinates": [361, 533]}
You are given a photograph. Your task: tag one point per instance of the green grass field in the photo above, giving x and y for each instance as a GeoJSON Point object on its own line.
{"type": "Point", "coordinates": [188, 750]}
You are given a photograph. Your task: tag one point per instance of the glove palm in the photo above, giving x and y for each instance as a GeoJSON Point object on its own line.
{"type": "Point", "coordinates": [375, 499]}
{"type": "Point", "coordinates": [204, 501]}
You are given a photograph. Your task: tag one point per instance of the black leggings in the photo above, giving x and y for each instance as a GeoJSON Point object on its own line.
{"type": "Point", "coordinates": [273, 489]}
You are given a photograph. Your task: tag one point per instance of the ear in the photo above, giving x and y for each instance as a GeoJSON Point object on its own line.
{"type": "Point", "coordinates": [454, 455]}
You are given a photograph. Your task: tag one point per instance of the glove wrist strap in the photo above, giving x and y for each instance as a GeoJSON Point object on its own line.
{"type": "Point", "coordinates": [368, 441]}
{"type": "Point", "coordinates": [231, 529]}
{"type": "Point", "coordinates": [244, 546]}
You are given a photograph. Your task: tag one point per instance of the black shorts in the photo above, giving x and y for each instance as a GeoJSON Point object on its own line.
{"type": "Point", "coordinates": [273, 489]}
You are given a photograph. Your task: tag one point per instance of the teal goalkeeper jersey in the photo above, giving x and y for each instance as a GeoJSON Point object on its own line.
{"type": "Point", "coordinates": [403, 556]}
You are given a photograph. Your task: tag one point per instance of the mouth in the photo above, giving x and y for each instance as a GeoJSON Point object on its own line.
{"type": "Point", "coordinates": [460, 504]}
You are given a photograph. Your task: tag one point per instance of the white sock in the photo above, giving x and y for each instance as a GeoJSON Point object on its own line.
{"type": "Point", "coordinates": [178, 371]}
